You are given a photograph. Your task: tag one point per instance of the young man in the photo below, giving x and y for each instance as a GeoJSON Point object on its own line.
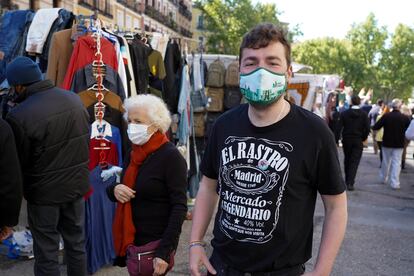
{"type": "Point", "coordinates": [51, 130]}
{"type": "Point", "coordinates": [355, 127]}
{"type": "Point", "coordinates": [265, 163]}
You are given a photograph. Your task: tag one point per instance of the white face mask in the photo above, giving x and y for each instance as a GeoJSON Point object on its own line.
{"type": "Point", "coordinates": [262, 86]}
{"type": "Point", "coordinates": [138, 133]}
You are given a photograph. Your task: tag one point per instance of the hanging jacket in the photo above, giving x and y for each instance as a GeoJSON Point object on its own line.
{"type": "Point", "coordinates": [84, 54]}
{"type": "Point", "coordinates": [52, 135]}
{"type": "Point", "coordinates": [139, 55]}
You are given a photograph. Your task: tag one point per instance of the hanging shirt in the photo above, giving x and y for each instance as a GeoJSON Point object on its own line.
{"type": "Point", "coordinates": [184, 108]}
{"type": "Point", "coordinates": [84, 54]}
{"type": "Point", "coordinates": [105, 130]}
{"type": "Point", "coordinates": [127, 55]}
{"type": "Point", "coordinates": [99, 213]}
{"type": "Point", "coordinates": [40, 28]}
{"type": "Point", "coordinates": [102, 150]}
{"type": "Point", "coordinates": [157, 73]}
{"type": "Point", "coordinates": [197, 73]}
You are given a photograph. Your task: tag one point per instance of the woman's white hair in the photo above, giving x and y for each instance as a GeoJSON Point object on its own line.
{"type": "Point", "coordinates": [155, 108]}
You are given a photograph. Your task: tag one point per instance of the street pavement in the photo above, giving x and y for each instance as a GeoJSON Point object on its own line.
{"type": "Point", "coordinates": [379, 238]}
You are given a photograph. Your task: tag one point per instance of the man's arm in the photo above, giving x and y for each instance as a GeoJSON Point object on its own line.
{"type": "Point", "coordinates": [379, 124]}
{"type": "Point", "coordinates": [333, 232]}
{"type": "Point", "coordinates": [206, 203]}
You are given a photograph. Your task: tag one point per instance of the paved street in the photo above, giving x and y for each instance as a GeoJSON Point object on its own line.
{"type": "Point", "coordinates": [379, 239]}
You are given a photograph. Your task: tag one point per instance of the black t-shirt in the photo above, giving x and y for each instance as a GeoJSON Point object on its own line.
{"type": "Point", "coordinates": [268, 179]}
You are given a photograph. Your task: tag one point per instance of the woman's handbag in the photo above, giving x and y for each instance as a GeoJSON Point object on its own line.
{"type": "Point", "coordinates": [140, 259]}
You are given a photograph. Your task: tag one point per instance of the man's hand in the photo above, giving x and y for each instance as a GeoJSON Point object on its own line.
{"type": "Point", "coordinates": [123, 193]}
{"type": "Point", "coordinates": [199, 258]}
{"type": "Point", "coordinates": [160, 267]}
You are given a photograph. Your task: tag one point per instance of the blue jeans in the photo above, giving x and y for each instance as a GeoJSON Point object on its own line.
{"type": "Point", "coordinates": [12, 28]}
{"type": "Point", "coordinates": [391, 166]}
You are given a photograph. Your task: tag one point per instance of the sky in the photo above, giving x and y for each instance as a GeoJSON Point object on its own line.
{"type": "Point", "coordinates": [334, 18]}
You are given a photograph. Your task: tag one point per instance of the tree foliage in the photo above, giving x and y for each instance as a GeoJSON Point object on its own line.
{"type": "Point", "coordinates": [228, 20]}
{"type": "Point", "coordinates": [369, 57]}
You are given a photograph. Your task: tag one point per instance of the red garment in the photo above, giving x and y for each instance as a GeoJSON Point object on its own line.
{"type": "Point", "coordinates": [106, 153]}
{"type": "Point", "coordinates": [123, 228]}
{"type": "Point", "coordinates": [84, 54]}
{"type": "Point", "coordinates": [102, 150]}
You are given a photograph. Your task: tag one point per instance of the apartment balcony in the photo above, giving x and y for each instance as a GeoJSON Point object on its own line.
{"type": "Point", "coordinates": [175, 2]}
{"type": "Point", "coordinates": [158, 16]}
{"type": "Point", "coordinates": [184, 11]}
{"type": "Point", "coordinates": [133, 5]}
{"type": "Point", "coordinates": [95, 5]}
{"type": "Point", "coordinates": [186, 32]}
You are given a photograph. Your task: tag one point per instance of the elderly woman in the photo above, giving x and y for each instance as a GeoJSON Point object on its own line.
{"type": "Point", "coordinates": [152, 196]}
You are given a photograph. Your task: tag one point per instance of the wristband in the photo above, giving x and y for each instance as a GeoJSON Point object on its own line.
{"type": "Point", "coordinates": [197, 243]}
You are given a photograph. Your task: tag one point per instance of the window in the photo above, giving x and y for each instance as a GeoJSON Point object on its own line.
{"type": "Point", "coordinates": [128, 22]}
{"type": "Point", "coordinates": [120, 19]}
{"type": "Point", "coordinates": [200, 22]}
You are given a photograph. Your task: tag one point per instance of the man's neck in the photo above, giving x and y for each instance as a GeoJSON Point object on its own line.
{"type": "Point", "coordinates": [262, 116]}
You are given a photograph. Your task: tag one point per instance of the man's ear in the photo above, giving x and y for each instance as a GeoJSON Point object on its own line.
{"type": "Point", "coordinates": [289, 73]}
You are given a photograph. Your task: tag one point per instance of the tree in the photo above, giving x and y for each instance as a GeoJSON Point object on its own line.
{"type": "Point", "coordinates": [325, 55]}
{"type": "Point", "coordinates": [396, 74]}
{"type": "Point", "coordinates": [367, 42]}
{"type": "Point", "coordinates": [228, 20]}
{"type": "Point", "coordinates": [369, 57]}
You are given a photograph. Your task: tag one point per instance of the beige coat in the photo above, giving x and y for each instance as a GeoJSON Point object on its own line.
{"type": "Point", "coordinates": [59, 56]}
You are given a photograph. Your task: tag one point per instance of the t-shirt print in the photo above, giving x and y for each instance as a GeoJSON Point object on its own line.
{"type": "Point", "coordinates": [252, 179]}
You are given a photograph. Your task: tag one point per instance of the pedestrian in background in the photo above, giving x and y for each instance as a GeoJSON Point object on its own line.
{"type": "Point", "coordinates": [373, 115]}
{"type": "Point", "coordinates": [11, 185]}
{"type": "Point", "coordinates": [380, 133]}
{"type": "Point", "coordinates": [407, 112]}
{"type": "Point", "coordinates": [355, 127]}
{"type": "Point", "coordinates": [51, 129]}
{"type": "Point", "coordinates": [395, 124]}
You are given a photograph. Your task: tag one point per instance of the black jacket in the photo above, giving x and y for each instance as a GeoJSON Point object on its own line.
{"type": "Point", "coordinates": [11, 185]}
{"type": "Point", "coordinates": [52, 134]}
{"type": "Point", "coordinates": [354, 124]}
{"type": "Point", "coordinates": [160, 203]}
{"type": "Point", "coordinates": [395, 124]}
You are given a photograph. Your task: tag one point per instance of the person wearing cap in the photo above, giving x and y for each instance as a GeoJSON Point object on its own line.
{"type": "Point", "coordinates": [51, 132]}
{"type": "Point", "coordinates": [394, 124]}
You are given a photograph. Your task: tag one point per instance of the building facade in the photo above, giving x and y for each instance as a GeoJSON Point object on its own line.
{"type": "Point", "coordinates": [171, 17]}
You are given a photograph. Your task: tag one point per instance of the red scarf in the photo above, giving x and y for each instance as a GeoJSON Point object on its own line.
{"type": "Point", "coordinates": [123, 227]}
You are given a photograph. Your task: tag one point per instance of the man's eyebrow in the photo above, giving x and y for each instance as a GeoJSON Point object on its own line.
{"type": "Point", "coordinates": [250, 58]}
{"type": "Point", "coordinates": [273, 57]}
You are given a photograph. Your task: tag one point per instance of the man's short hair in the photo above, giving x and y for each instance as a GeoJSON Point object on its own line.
{"type": "Point", "coordinates": [396, 104]}
{"type": "Point", "coordinates": [380, 102]}
{"type": "Point", "coordinates": [264, 34]}
{"type": "Point", "coordinates": [355, 100]}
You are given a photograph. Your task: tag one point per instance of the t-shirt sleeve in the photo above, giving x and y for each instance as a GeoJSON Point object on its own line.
{"type": "Point", "coordinates": [328, 175]}
{"type": "Point", "coordinates": [210, 162]}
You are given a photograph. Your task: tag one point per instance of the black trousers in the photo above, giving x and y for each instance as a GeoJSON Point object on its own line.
{"type": "Point", "coordinates": [47, 223]}
{"type": "Point", "coordinates": [224, 270]}
{"type": "Point", "coordinates": [352, 156]}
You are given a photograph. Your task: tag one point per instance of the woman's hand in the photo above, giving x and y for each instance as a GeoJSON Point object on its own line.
{"type": "Point", "coordinates": [123, 193]}
{"type": "Point", "coordinates": [160, 267]}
